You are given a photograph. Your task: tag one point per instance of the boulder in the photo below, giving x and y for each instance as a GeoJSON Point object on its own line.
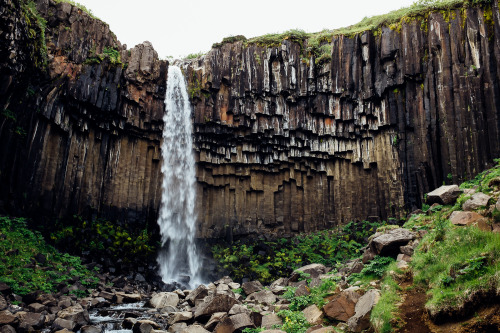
{"type": "Point", "coordinates": [497, 205]}
{"type": "Point", "coordinates": [314, 270]}
{"type": "Point", "coordinates": [199, 293]}
{"type": "Point", "coordinates": [314, 315]}
{"type": "Point", "coordinates": [60, 323]}
{"type": "Point", "coordinates": [36, 307]}
{"type": "Point", "coordinates": [462, 218]}
{"type": "Point", "coordinates": [181, 316]}
{"type": "Point", "coordinates": [241, 321]}
{"type": "Point", "coordinates": [64, 330]}
{"type": "Point", "coordinates": [90, 329]}
{"type": "Point", "coordinates": [272, 331]}
{"type": "Point", "coordinates": [142, 328]}
{"type": "Point", "coordinates": [477, 200]}
{"type": "Point", "coordinates": [7, 318]}
{"type": "Point", "coordinates": [270, 320]}
{"type": "Point", "coordinates": [252, 287]}
{"type": "Point", "coordinates": [225, 326]}
{"type": "Point", "coordinates": [7, 329]}
{"type": "Point", "coordinates": [194, 329]}
{"type": "Point", "coordinates": [177, 327]}
{"type": "Point", "coordinates": [4, 288]}
{"type": "Point", "coordinates": [302, 290]}
{"type": "Point", "coordinates": [215, 319]}
{"type": "Point", "coordinates": [163, 300]}
{"type": "Point", "coordinates": [322, 330]}
{"type": "Point", "coordinates": [389, 243]}
{"type": "Point", "coordinates": [127, 298]}
{"type": "Point", "coordinates": [444, 195]}
{"type": "Point", "coordinates": [239, 308]}
{"type": "Point", "coordinates": [361, 319]}
{"type": "Point", "coordinates": [224, 280]}
{"type": "Point", "coordinates": [263, 297]}
{"type": "Point", "coordinates": [31, 320]}
{"type": "Point", "coordinates": [3, 303]}
{"type": "Point", "coordinates": [403, 257]}
{"type": "Point", "coordinates": [342, 306]}
{"type": "Point", "coordinates": [214, 303]}
{"type": "Point", "coordinates": [75, 313]}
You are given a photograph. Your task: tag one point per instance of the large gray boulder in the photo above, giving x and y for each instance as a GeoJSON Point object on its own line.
{"type": "Point", "coordinates": [263, 297]}
{"type": "Point", "coordinates": [476, 201]}
{"type": "Point", "coordinates": [252, 287]}
{"type": "Point", "coordinates": [194, 329]}
{"type": "Point", "coordinates": [241, 321]}
{"type": "Point", "coordinates": [361, 319]}
{"type": "Point", "coordinates": [444, 195]}
{"type": "Point", "coordinates": [214, 303]}
{"type": "Point", "coordinates": [314, 270]}
{"type": "Point", "coordinates": [388, 244]}
{"type": "Point", "coordinates": [75, 313]}
{"type": "Point", "coordinates": [31, 320]}
{"type": "Point", "coordinates": [199, 293]}
{"type": "Point", "coordinates": [270, 320]}
{"type": "Point", "coordinates": [313, 314]}
{"type": "Point", "coordinates": [163, 300]}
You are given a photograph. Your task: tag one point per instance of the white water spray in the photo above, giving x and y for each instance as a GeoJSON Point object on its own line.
{"type": "Point", "coordinates": [179, 258]}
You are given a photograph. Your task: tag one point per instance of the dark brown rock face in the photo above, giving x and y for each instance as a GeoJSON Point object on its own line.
{"type": "Point", "coordinates": [91, 143]}
{"type": "Point", "coordinates": [285, 146]}
{"type": "Point", "coordinates": [282, 145]}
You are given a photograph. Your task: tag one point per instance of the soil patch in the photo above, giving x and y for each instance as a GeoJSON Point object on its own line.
{"type": "Point", "coordinates": [413, 312]}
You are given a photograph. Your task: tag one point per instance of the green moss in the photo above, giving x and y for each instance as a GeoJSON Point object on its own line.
{"type": "Point", "coordinates": [36, 26]}
{"type": "Point", "coordinates": [229, 40]}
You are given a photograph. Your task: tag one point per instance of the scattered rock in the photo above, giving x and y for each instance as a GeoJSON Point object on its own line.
{"type": "Point", "coordinates": [214, 303]}
{"type": "Point", "coordinates": [3, 303]}
{"type": "Point", "coordinates": [302, 290]}
{"type": "Point", "coordinates": [215, 319]}
{"type": "Point", "coordinates": [60, 324]}
{"type": "Point", "coordinates": [314, 315]}
{"type": "Point", "coordinates": [314, 270]}
{"type": "Point", "coordinates": [252, 287]}
{"type": "Point", "coordinates": [31, 320]}
{"type": "Point", "coordinates": [361, 319]}
{"type": "Point", "coordinates": [7, 329]}
{"type": "Point", "coordinates": [194, 329]}
{"type": "Point", "coordinates": [90, 329]}
{"type": "Point", "coordinates": [464, 218]}
{"type": "Point", "coordinates": [477, 200]}
{"type": "Point", "coordinates": [75, 313]}
{"type": "Point", "coordinates": [181, 316]}
{"type": "Point", "coordinates": [199, 293]}
{"type": "Point", "coordinates": [7, 318]}
{"type": "Point", "coordinates": [444, 195]}
{"type": "Point", "coordinates": [4, 288]}
{"type": "Point", "coordinates": [270, 320]}
{"type": "Point", "coordinates": [389, 243]}
{"type": "Point", "coordinates": [263, 297]}
{"type": "Point", "coordinates": [36, 307]}
{"type": "Point", "coordinates": [163, 300]}
{"type": "Point", "coordinates": [241, 321]}
{"type": "Point", "coordinates": [342, 306]}
{"type": "Point", "coordinates": [142, 328]}
{"type": "Point", "coordinates": [177, 328]}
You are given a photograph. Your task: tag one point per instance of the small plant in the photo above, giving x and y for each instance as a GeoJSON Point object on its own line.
{"type": "Point", "coordinates": [293, 321]}
{"type": "Point", "coordinates": [195, 55]}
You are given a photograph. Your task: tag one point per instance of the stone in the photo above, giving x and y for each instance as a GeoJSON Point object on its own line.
{"type": "Point", "coordinates": [181, 316]}
{"type": "Point", "coordinates": [60, 323]}
{"type": "Point", "coordinates": [129, 298]}
{"type": "Point", "coordinates": [341, 306]}
{"type": "Point", "coordinates": [214, 303]}
{"type": "Point", "coordinates": [7, 329]}
{"type": "Point", "coordinates": [75, 313]}
{"type": "Point", "coordinates": [389, 243]}
{"type": "Point", "coordinates": [361, 319]}
{"type": "Point", "coordinates": [497, 205]}
{"type": "Point", "coordinates": [263, 297]}
{"type": "Point", "coordinates": [7, 318]}
{"type": "Point", "coordinates": [272, 331]}
{"type": "Point", "coordinates": [153, 324]}
{"type": "Point", "coordinates": [270, 320]}
{"type": "Point", "coordinates": [199, 293]}
{"type": "Point", "coordinates": [36, 307]}
{"type": "Point", "coordinates": [90, 329]}
{"type": "Point", "coordinates": [142, 328]}
{"type": "Point", "coordinates": [314, 270]}
{"type": "Point", "coordinates": [403, 257]}
{"type": "Point", "coordinates": [3, 303]}
{"type": "Point", "coordinates": [252, 287]}
{"type": "Point", "coordinates": [239, 308]}
{"type": "Point", "coordinates": [302, 290]}
{"type": "Point", "coordinates": [194, 329]}
{"type": "Point", "coordinates": [215, 319]}
{"type": "Point", "coordinates": [31, 320]}
{"type": "Point", "coordinates": [163, 300]}
{"type": "Point", "coordinates": [476, 201]}
{"type": "Point", "coordinates": [444, 195]}
{"type": "Point", "coordinates": [64, 330]}
{"type": "Point", "coordinates": [225, 280]}
{"type": "Point", "coordinates": [177, 327]}
{"type": "Point", "coordinates": [4, 288]}
{"type": "Point", "coordinates": [313, 314]}
{"type": "Point", "coordinates": [462, 218]}
{"type": "Point", "coordinates": [234, 285]}
{"type": "Point", "coordinates": [323, 330]}
{"type": "Point", "coordinates": [241, 321]}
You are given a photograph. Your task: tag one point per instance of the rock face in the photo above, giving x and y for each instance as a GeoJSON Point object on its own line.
{"type": "Point", "coordinates": [283, 145]}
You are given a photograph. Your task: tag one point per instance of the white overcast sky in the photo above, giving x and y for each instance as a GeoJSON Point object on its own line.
{"type": "Point", "coordinates": [178, 28]}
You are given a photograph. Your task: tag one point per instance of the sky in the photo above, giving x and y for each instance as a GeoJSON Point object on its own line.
{"type": "Point", "coordinates": [181, 27]}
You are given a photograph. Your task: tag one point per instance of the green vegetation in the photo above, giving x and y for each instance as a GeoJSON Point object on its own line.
{"type": "Point", "coordinates": [228, 40]}
{"type": "Point", "coordinates": [373, 270]}
{"type": "Point", "coordinates": [112, 54]}
{"type": "Point", "coordinates": [36, 26]}
{"type": "Point", "coordinates": [97, 236]}
{"type": "Point", "coordinates": [293, 321]}
{"type": "Point", "coordinates": [81, 7]}
{"type": "Point", "coordinates": [195, 55]}
{"type": "Point", "coordinates": [267, 261]}
{"type": "Point", "coordinates": [28, 264]}
{"type": "Point", "coordinates": [317, 295]}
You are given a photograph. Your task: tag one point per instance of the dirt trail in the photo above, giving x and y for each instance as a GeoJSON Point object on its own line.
{"type": "Point", "coordinates": [412, 311]}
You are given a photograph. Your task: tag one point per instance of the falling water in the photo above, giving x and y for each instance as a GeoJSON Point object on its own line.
{"type": "Point", "coordinates": [178, 259]}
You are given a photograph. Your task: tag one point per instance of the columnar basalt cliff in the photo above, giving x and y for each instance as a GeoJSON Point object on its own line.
{"type": "Point", "coordinates": [284, 145]}
{"type": "Point", "coordinates": [288, 146]}
{"type": "Point", "coordinates": [82, 136]}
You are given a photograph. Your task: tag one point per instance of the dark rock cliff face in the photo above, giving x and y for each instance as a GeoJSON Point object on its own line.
{"type": "Point", "coordinates": [285, 146]}
{"type": "Point", "coordinates": [282, 145]}
{"type": "Point", "coordinates": [83, 136]}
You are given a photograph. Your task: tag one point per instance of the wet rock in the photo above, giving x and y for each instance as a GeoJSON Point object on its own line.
{"type": "Point", "coordinates": [142, 328]}
{"type": "Point", "coordinates": [199, 293]}
{"type": "Point", "coordinates": [361, 319]}
{"type": "Point", "coordinates": [313, 314]}
{"type": "Point", "coordinates": [476, 201]}
{"type": "Point", "coordinates": [389, 243]}
{"type": "Point", "coordinates": [181, 316]}
{"type": "Point", "coordinates": [163, 300]}
{"type": "Point", "coordinates": [194, 329]}
{"type": "Point", "coordinates": [444, 195]}
{"type": "Point", "coordinates": [252, 287]}
{"type": "Point", "coordinates": [90, 329]}
{"type": "Point", "coordinates": [122, 297]}
{"type": "Point", "coordinates": [214, 303]}
{"type": "Point", "coordinates": [60, 324]}
{"type": "Point", "coordinates": [7, 318]}
{"type": "Point", "coordinates": [270, 320]}
{"type": "Point", "coordinates": [341, 307]}
{"type": "Point", "coordinates": [76, 314]}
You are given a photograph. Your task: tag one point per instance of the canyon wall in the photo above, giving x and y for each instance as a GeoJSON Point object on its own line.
{"type": "Point", "coordinates": [283, 145]}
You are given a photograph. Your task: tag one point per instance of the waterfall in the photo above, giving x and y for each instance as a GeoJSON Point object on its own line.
{"type": "Point", "coordinates": [178, 259]}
